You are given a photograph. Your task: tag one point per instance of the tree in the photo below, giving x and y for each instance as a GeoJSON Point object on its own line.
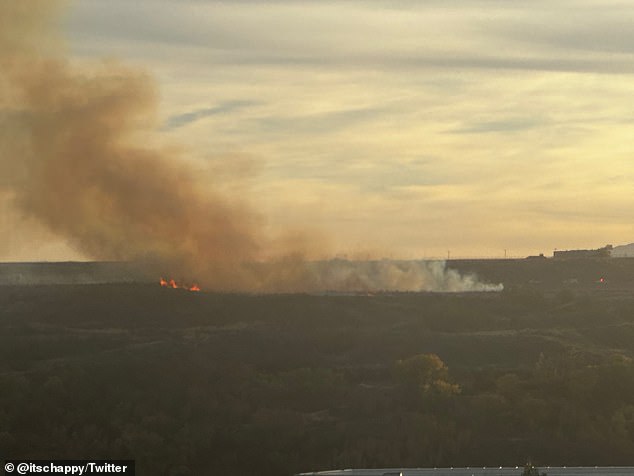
{"type": "Point", "coordinates": [427, 373]}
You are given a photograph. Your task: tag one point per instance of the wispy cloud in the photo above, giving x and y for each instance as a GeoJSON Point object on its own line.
{"type": "Point", "coordinates": [503, 125]}
{"type": "Point", "coordinates": [180, 120]}
{"type": "Point", "coordinates": [401, 36]}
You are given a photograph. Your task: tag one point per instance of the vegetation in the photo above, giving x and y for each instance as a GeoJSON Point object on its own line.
{"type": "Point", "coordinates": [197, 383]}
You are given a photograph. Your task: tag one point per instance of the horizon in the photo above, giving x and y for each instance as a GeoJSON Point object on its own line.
{"type": "Point", "coordinates": [505, 255]}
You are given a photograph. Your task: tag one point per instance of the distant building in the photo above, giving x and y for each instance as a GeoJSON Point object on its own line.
{"type": "Point", "coordinates": [604, 252]}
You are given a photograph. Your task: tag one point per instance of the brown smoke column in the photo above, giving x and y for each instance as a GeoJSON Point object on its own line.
{"type": "Point", "coordinates": [70, 150]}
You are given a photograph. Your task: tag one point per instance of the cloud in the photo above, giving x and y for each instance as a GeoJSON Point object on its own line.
{"type": "Point", "coordinates": [318, 122]}
{"type": "Point", "coordinates": [406, 36]}
{"type": "Point", "coordinates": [180, 120]}
{"type": "Point", "coordinates": [503, 125]}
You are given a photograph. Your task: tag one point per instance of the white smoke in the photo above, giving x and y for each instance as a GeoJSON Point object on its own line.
{"type": "Point", "coordinates": [384, 275]}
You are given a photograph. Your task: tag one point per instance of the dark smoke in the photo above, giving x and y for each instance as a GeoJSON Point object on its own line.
{"type": "Point", "coordinates": [74, 156]}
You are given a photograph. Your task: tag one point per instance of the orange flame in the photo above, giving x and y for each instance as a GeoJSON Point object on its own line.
{"type": "Point", "coordinates": [174, 285]}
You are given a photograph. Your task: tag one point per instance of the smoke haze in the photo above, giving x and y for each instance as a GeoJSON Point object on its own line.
{"type": "Point", "coordinates": [389, 275]}
{"type": "Point", "coordinates": [77, 157]}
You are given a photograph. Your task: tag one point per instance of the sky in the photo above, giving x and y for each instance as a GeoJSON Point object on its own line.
{"type": "Point", "coordinates": [404, 129]}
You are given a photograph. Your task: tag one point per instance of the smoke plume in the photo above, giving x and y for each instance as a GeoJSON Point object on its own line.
{"type": "Point", "coordinates": [71, 145]}
{"type": "Point", "coordinates": [75, 156]}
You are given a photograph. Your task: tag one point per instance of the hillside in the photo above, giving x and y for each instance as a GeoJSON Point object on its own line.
{"type": "Point", "coordinates": [203, 383]}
